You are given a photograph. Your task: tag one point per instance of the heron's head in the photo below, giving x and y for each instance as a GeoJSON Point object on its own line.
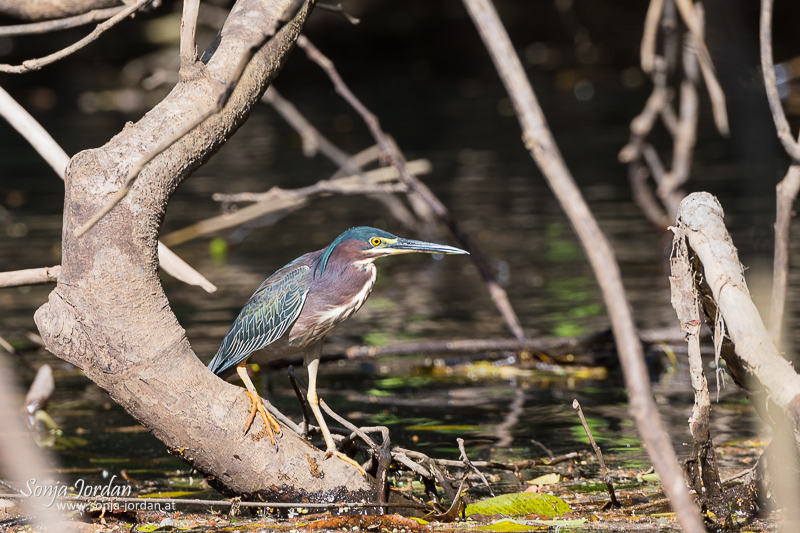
{"type": "Point", "coordinates": [364, 244]}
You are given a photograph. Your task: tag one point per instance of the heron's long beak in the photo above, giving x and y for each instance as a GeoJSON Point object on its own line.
{"type": "Point", "coordinates": [405, 246]}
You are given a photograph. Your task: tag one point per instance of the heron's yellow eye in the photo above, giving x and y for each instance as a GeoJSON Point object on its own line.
{"type": "Point", "coordinates": [375, 241]}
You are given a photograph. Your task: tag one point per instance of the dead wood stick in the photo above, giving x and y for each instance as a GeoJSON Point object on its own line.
{"type": "Point", "coordinates": [693, 18]}
{"type": "Point", "coordinates": [540, 142]}
{"type": "Point", "coordinates": [20, 457]}
{"type": "Point", "coordinates": [497, 293]}
{"type": "Point", "coordinates": [469, 464]}
{"type": "Point", "coordinates": [599, 454]}
{"type": "Point", "coordinates": [701, 467]}
{"type": "Point", "coordinates": [34, 133]}
{"type": "Point", "coordinates": [337, 8]}
{"type": "Point", "coordinates": [59, 24]}
{"type": "Point", "coordinates": [648, 47]}
{"type": "Point", "coordinates": [289, 13]}
{"type": "Point", "coordinates": [36, 64]}
{"type": "Point", "coordinates": [277, 199]}
{"type": "Point", "coordinates": [32, 276]}
{"type": "Point", "coordinates": [785, 195]}
{"type": "Point", "coordinates": [686, 135]}
{"type": "Point", "coordinates": [188, 50]}
{"type": "Point", "coordinates": [700, 222]}
{"type": "Point", "coordinates": [39, 393]}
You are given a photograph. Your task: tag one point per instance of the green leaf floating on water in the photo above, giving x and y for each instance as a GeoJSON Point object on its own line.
{"type": "Point", "coordinates": [521, 503]}
{"type": "Point", "coordinates": [507, 525]}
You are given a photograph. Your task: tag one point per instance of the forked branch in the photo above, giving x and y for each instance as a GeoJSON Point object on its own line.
{"type": "Point", "coordinates": [289, 13]}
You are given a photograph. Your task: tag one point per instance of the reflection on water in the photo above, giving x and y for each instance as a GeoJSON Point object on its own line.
{"type": "Point", "coordinates": [493, 189]}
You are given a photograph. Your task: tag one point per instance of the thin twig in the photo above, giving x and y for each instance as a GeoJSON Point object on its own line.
{"type": "Point", "coordinates": [468, 463]}
{"type": "Point", "coordinates": [539, 141]}
{"type": "Point", "coordinates": [498, 294]}
{"type": "Point", "coordinates": [188, 50]}
{"type": "Point", "coordinates": [289, 13]}
{"type": "Point", "coordinates": [60, 24]}
{"type": "Point", "coordinates": [36, 64]}
{"type": "Point", "coordinates": [337, 8]}
{"type": "Point", "coordinates": [603, 469]}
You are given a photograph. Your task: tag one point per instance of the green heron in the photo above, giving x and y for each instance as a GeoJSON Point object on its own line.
{"type": "Point", "coordinates": [293, 310]}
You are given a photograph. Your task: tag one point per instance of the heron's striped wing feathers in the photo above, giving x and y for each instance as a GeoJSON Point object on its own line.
{"type": "Point", "coordinates": [266, 316]}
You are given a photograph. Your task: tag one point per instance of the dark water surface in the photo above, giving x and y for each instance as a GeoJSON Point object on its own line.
{"type": "Point", "coordinates": [492, 187]}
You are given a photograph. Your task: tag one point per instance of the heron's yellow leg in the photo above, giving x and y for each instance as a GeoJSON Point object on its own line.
{"type": "Point", "coordinates": [312, 363]}
{"type": "Point", "coordinates": [257, 406]}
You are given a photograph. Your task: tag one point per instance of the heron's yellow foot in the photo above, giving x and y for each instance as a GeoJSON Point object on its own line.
{"type": "Point", "coordinates": [343, 457]}
{"type": "Point", "coordinates": [269, 420]}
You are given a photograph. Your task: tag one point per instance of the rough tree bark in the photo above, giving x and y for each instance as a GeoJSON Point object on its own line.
{"type": "Point", "coordinates": [109, 315]}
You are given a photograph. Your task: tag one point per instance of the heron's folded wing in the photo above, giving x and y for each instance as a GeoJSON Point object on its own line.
{"type": "Point", "coordinates": [266, 316]}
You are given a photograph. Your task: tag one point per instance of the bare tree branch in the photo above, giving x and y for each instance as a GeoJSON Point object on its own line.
{"type": "Point", "coordinates": [788, 188]}
{"type": "Point", "coordinates": [32, 276]}
{"type": "Point", "coordinates": [188, 50]}
{"type": "Point", "coordinates": [34, 133]}
{"type": "Point", "coordinates": [694, 21]}
{"type": "Point", "coordinates": [648, 49]}
{"type": "Point", "coordinates": [497, 293]}
{"type": "Point", "coordinates": [791, 146]}
{"type": "Point", "coordinates": [36, 64]}
{"type": "Point", "coordinates": [541, 144]}
{"type": "Point", "coordinates": [786, 193]}
{"type": "Point", "coordinates": [213, 109]}
{"type": "Point", "coordinates": [59, 24]}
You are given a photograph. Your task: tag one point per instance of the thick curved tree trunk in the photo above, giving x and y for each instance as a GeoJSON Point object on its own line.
{"type": "Point", "coordinates": [110, 317]}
